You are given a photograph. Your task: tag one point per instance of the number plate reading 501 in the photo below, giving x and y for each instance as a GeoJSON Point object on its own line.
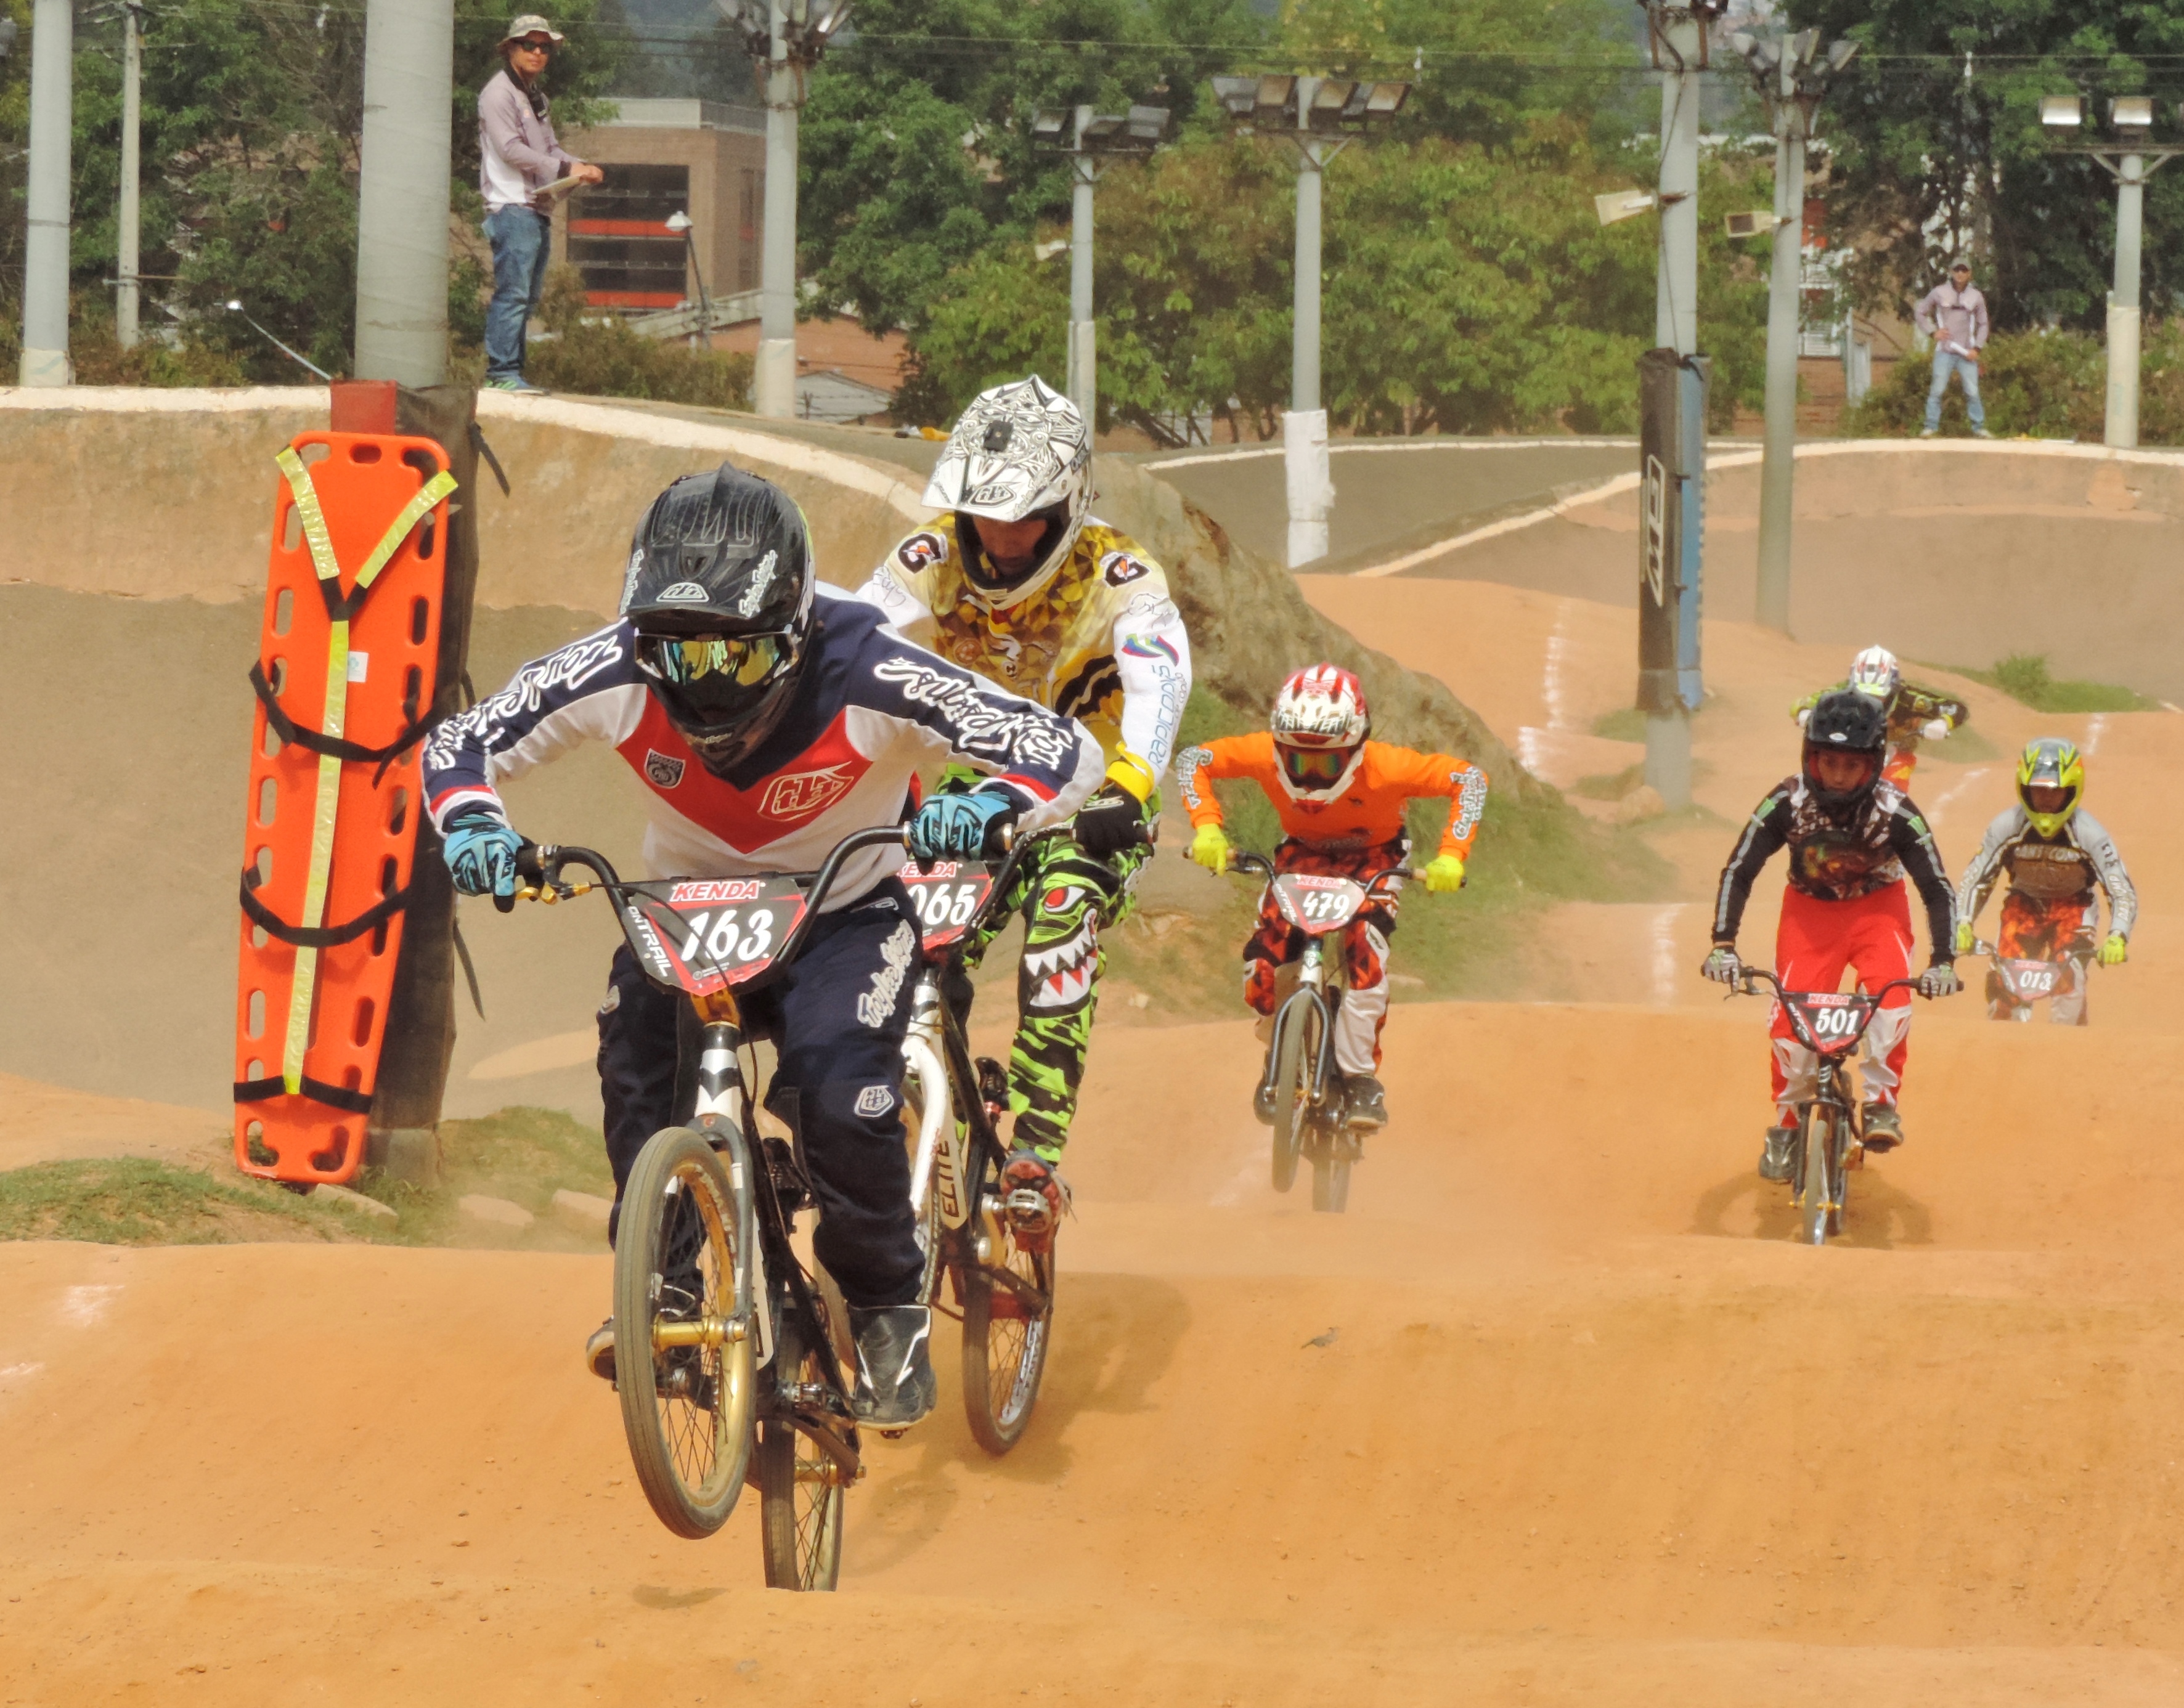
{"type": "Point", "coordinates": [703, 933]}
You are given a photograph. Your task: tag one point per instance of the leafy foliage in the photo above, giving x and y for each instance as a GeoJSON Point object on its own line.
{"type": "Point", "coordinates": [1937, 130]}
{"type": "Point", "coordinates": [600, 356]}
{"type": "Point", "coordinates": [2048, 385]}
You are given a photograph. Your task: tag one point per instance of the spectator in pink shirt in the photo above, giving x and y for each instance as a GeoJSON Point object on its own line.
{"type": "Point", "coordinates": [517, 159]}
{"type": "Point", "coordinates": [1954, 316]}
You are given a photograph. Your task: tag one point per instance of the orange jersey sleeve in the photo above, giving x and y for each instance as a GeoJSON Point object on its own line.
{"type": "Point", "coordinates": [1407, 775]}
{"type": "Point", "coordinates": [1249, 757]}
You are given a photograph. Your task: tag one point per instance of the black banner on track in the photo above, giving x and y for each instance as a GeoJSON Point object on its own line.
{"type": "Point", "coordinates": [1672, 398]}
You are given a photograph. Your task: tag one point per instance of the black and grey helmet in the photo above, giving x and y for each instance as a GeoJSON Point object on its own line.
{"type": "Point", "coordinates": [1845, 721]}
{"type": "Point", "coordinates": [719, 591]}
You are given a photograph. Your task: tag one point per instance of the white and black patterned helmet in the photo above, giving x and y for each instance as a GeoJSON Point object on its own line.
{"type": "Point", "coordinates": [1020, 451]}
{"type": "Point", "coordinates": [1875, 671]}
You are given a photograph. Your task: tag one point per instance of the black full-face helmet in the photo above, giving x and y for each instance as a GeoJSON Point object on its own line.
{"type": "Point", "coordinates": [719, 591]}
{"type": "Point", "coordinates": [1845, 721]}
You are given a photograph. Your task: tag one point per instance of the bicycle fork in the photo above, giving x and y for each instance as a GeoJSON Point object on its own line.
{"type": "Point", "coordinates": [939, 1166]}
{"type": "Point", "coordinates": [1311, 987]}
{"type": "Point", "coordinates": [721, 1113]}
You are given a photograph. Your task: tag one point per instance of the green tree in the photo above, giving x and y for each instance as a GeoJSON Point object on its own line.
{"type": "Point", "coordinates": [1936, 148]}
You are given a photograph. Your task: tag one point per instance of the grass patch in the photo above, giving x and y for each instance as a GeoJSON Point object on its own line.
{"type": "Point", "coordinates": [134, 1200]}
{"type": "Point", "coordinates": [2024, 677]}
{"type": "Point", "coordinates": [521, 1153]}
{"type": "Point", "coordinates": [1611, 786]}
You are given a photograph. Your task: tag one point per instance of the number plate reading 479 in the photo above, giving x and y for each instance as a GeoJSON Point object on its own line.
{"type": "Point", "coordinates": [703, 933]}
{"type": "Point", "coordinates": [1315, 902]}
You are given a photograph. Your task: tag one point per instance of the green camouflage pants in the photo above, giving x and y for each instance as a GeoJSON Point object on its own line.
{"type": "Point", "coordinates": [1066, 898]}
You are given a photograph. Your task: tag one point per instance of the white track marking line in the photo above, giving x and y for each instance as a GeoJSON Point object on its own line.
{"type": "Point", "coordinates": [85, 1305]}
{"type": "Point", "coordinates": [1532, 744]}
{"type": "Point", "coordinates": [1664, 953]}
{"type": "Point", "coordinates": [1965, 781]}
{"type": "Point", "coordinates": [2094, 731]}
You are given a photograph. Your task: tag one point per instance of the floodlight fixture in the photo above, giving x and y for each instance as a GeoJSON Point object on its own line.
{"type": "Point", "coordinates": [1386, 100]}
{"type": "Point", "coordinates": [2131, 112]}
{"type": "Point", "coordinates": [1238, 95]}
{"type": "Point", "coordinates": [678, 222]}
{"type": "Point", "coordinates": [1756, 224]}
{"type": "Point", "coordinates": [7, 29]}
{"type": "Point", "coordinates": [1803, 47]}
{"type": "Point", "coordinates": [1050, 125]}
{"type": "Point", "coordinates": [1275, 96]}
{"type": "Point", "coordinates": [1332, 94]}
{"type": "Point", "coordinates": [1139, 131]}
{"type": "Point", "coordinates": [1100, 126]}
{"type": "Point", "coordinates": [2062, 111]}
{"type": "Point", "coordinates": [1147, 126]}
{"type": "Point", "coordinates": [1840, 54]}
{"type": "Point", "coordinates": [1624, 205]}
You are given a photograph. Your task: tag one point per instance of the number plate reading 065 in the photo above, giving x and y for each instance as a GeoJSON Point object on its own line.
{"type": "Point", "coordinates": [947, 898]}
{"type": "Point", "coordinates": [703, 933]}
{"type": "Point", "coordinates": [1835, 1019]}
{"type": "Point", "coordinates": [1315, 904]}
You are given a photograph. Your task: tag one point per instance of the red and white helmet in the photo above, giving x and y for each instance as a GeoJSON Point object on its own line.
{"type": "Point", "coordinates": [1320, 724]}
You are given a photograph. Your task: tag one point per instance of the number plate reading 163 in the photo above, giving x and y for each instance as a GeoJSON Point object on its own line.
{"type": "Point", "coordinates": [702, 933]}
{"type": "Point", "coordinates": [1316, 904]}
{"type": "Point", "coordinates": [947, 898]}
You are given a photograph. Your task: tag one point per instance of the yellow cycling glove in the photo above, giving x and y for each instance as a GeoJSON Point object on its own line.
{"type": "Point", "coordinates": [1964, 938]}
{"type": "Point", "coordinates": [2115, 951]}
{"type": "Point", "coordinates": [1445, 875]}
{"type": "Point", "coordinates": [1210, 848]}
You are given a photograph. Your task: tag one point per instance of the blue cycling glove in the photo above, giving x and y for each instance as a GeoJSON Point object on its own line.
{"type": "Point", "coordinates": [480, 853]}
{"type": "Point", "coordinates": [957, 826]}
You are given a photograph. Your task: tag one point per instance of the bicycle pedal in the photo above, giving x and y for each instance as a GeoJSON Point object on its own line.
{"type": "Point", "coordinates": [1856, 1158]}
{"type": "Point", "coordinates": [993, 1087]}
{"type": "Point", "coordinates": [890, 1435]}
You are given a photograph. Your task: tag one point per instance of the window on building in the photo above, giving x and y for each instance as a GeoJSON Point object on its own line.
{"type": "Point", "coordinates": [619, 240]}
{"type": "Point", "coordinates": [747, 225]}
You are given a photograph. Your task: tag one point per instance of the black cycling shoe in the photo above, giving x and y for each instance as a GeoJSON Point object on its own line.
{"type": "Point", "coordinates": [896, 1387]}
{"type": "Point", "coordinates": [1775, 1155]}
{"type": "Point", "coordinates": [598, 1351]}
{"type": "Point", "coordinates": [1883, 1129]}
{"type": "Point", "coordinates": [1364, 1102]}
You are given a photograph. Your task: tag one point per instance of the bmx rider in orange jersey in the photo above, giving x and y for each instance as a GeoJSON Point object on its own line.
{"type": "Point", "coordinates": [1340, 797]}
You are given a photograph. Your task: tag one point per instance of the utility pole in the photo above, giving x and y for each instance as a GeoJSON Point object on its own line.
{"type": "Point", "coordinates": [402, 192]}
{"type": "Point", "coordinates": [125, 286]}
{"type": "Point", "coordinates": [1319, 115]}
{"type": "Point", "coordinates": [1791, 78]}
{"type": "Point", "coordinates": [1673, 411]}
{"type": "Point", "coordinates": [45, 360]}
{"type": "Point", "coordinates": [2131, 161]}
{"type": "Point", "coordinates": [784, 39]}
{"type": "Point", "coordinates": [1093, 139]}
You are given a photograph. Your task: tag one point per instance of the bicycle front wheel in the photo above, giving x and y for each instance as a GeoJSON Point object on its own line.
{"type": "Point", "coordinates": [1813, 1196]}
{"type": "Point", "coordinates": [1008, 1316]}
{"type": "Point", "coordinates": [1293, 1066]}
{"type": "Point", "coordinates": [688, 1387]}
{"type": "Point", "coordinates": [800, 1491]}
{"type": "Point", "coordinates": [1330, 1172]}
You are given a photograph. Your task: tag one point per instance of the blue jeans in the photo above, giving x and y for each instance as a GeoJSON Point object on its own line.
{"type": "Point", "coordinates": [521, 245]}
{"type": "Point", "coordinates": [1944, 365]}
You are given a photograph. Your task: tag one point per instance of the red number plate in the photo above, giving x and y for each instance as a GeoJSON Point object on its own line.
{"type": "Point", "coordinates": [947, 898]}
{"type": "Point", "coordinates": [703, 933]}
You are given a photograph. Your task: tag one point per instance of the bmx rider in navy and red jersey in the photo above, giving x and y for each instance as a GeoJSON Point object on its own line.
{"type": "Point", "coordinates": [1852, 835]}
{"type": "Point", "coordinates": [768, 719]}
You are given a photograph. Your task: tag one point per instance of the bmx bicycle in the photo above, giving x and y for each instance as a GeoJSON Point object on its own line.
{"type": "Point", "coordinates": [999, 1271]}
{"type": "Point", "coordinates": [1299, 1081]}
{"type": "Point", "coordinates": [1828, 1141]}
{"type": "Point", "coordinates": [732, 1357]}
{"type": "Point", "coordinates": [2025, 981]}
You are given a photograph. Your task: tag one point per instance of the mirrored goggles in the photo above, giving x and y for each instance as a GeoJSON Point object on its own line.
{"type": "Point", "coordinates": [740, 661]}
{"type": "Point", "coordinates": [1315, 765]}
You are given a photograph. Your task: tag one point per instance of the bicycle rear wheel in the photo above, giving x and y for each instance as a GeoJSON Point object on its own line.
{"type": "Point", "coordinates": [800, 1491]}
{"type": "Point", "coordinates": [688, 1390]}
{"type": "Point", "coordinates": [1294, 1063]}
{"type": "Point", "coordinates": [1004, 1334]}
{"type": "Point", "coordinates": [1813, 1196]}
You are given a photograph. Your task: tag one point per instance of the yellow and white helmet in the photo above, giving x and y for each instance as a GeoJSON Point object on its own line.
{"type": "Point", "coordinates": [1020, 450]}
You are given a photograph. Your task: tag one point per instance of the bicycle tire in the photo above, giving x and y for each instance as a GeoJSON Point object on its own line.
{"type": "Point", "coordinates": [800, 1496]}
{"type": "Point", "coordinates": [1330, 1177]}
{"type": "Point", "coordinates": [1005, 1343]}
{"type": "Point", "coordinates": [1299, 1029]}
{"type": "Point", "coordinates": [682, 1217]}
{"type": "Point", "coordinates": [1813, 1180]}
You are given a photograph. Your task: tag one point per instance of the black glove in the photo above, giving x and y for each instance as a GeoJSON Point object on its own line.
{"type": "Point", "coordinates": [1113, 820]}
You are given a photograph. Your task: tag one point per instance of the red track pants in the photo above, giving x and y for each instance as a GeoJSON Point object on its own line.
{"type": "Point", "coordinates": [1814, 942]}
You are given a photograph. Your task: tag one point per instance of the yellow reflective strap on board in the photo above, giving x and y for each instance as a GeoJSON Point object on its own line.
{"type": "Point", "coordinates": [327, 803]}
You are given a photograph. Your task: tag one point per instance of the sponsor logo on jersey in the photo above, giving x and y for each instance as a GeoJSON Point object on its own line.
{"type": "Point", "coordinates": [662, 770]}
{"type": "Point", "coordinates": [1120, 569]}
{"type": "Point", "coordinates": [681, 593]}
{"type": "Point", "coordinates": [799, 794]}
{"type": "Point", "coordinates": [875, 1099]}
{"type": "Point", "coordinates": [921, 552]}
{"type": "Point", "coordinates": [982, 724]}
{"type": "Point", "coordinates": [762, 579]}
{"type": "Point", "coordinates": [1151, 647]}
{"type": "Point", "coordinates": [571, 667]}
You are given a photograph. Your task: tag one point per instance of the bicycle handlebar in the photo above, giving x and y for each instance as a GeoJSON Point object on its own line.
{"type": "Point", "coordinates": [1746, 976]}
{"type": "Point", "coordinates": [1243, 861]}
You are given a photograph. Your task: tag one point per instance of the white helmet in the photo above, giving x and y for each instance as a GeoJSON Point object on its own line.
{"type": "Point", "coordinates": [1875, 671]}
{"type": "Point", "coordinates": [1320, 723]}
{"type": "Point", "coordinates": [1020, 450]}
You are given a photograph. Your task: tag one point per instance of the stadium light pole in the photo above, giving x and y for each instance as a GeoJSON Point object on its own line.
{"type": "Point", "coordinates": [45, 359]}
{"type": "Point", "coordinates": [1792, 76]}
{"type": "Point", "coordinates": [1093, 138]}
{"type": "Point", "coordinates": [2130, 162]}
{"type": "Point", "coordinates": [127, 301]}
{"type": "Point", "coordinates": [1319, 116]}
{"type": "Point", "coordinates": [402, 191]}
{"type": "Point", "coordinates": [785, 39]}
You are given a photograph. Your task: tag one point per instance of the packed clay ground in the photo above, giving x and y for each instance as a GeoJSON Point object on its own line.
{"type": "Point", "coordinates": [1558, 1413]}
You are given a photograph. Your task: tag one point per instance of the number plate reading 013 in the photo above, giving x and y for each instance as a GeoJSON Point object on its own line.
{"type": "Point", "coordinates": [1316, 904]}
{"type": "Point", "coordinates": [947, 898]}
{"type": "Point", "coordinates": [1833, 1022]}
{"type": "Point", "coordinates": [702, 933]}
{"type": "Point", "coordinates": [2030, 979]}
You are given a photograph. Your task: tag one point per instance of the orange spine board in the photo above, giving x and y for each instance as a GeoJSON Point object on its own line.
{"type": "Point", "coordinates": [362, 481]}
